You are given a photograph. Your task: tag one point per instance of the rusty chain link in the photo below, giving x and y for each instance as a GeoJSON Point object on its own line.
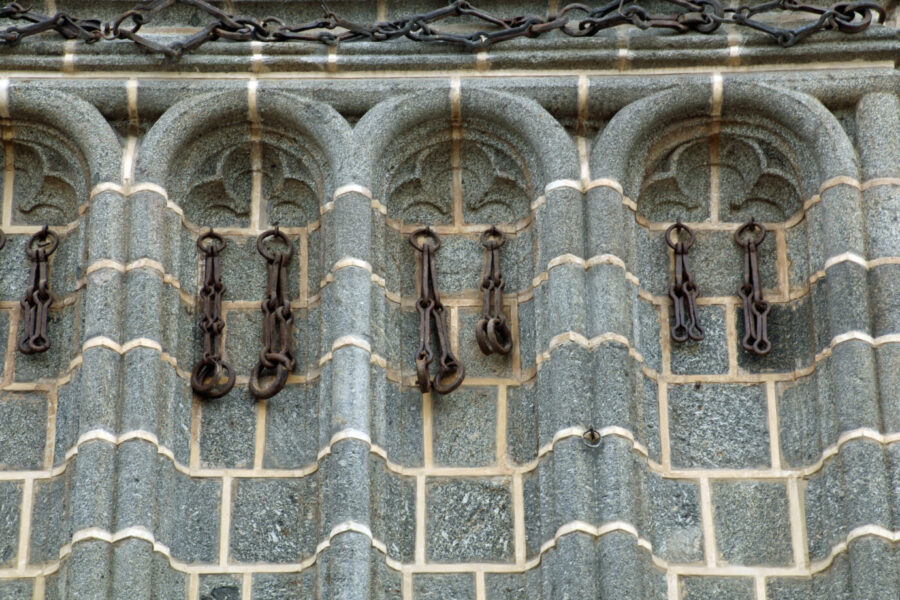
{"type": "Point", "coordinates": [574, 20]}
{"type": "Point", "coordinates": [276, 356]}
{"type": "Point", "coordinates": [212, 376]}
{"type": "Point", "coordinates": [36, 303]}
{"type": "Point", "coordinates": [756, 310]}
{"type": "Point", "coordinates": [683, 290]}
{"type": "Point", "coordinates": [492, 332]}
{"type": "Point", "coordinates": [451, 371]}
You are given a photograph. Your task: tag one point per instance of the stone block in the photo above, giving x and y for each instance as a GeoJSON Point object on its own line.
{"type": "Point", "coordinates": [646, 334]}
{"type": "Point", "coordinates": [718, 425]}
{"type": "Point", "coordinates": [521, 423]}
{"type": "Point", "coordinates": [228, 430]}
{"type": "Point", "coordinates": [717, 588]}
{"type": "Point", "coordinates": [884, 290]}
{"type": "Point", "coordinates": [464, 426]}
{"type": "Point", "coordinates": [611, 301]}
{"type": "Point", "coordinates": [882, 206]}
{"type": "Point", "coordinates": [469, 520]}
{"type": "Point", "coordinates": [531, 493]}
{"type": "Point", "coordinates": [63, 329]}
{"type": "Point", "coordinates": [528, 348]}
{"type": "Point", "coordinates": [188, 513]}
{"type": "Point", "coordinates": [284, 586]}
{"type": "Point", "coordinates": [393, 510]}
{"type": "Point", "coordinates": [709, 355]}
{"type": "Point", "coordinates": [220, 587]}
{"type": "Point", "coordinates": [791, 333]}
{"type": "Point", "coordinates": [799, 408]}
{"type": "Point", "coordinates": [397, 424]}
{"type": "Point", "coordinates": [799, 267]}
{"type": "Point", "coordinates": [752, 522]}
{"type": "Point", "coordinates": [22, 439]}
{"type": "Point", "coordinates": [10, 509]}
{"type": "Point", "coordinates": [274, 520]}
{"type": "Point", "coordinates": [505, 586]}
{"type": "Point", "coordinates": [244, 269]}
{"type": "Point", "coordinates": [16, 589]}
{"type": "Point", "coordinates": [458, 586]}
{"type": "Point", "coordinates": [674, 519]}
{"type": "Point", "coordinates": [101, 303]}
{"type": "Point", "coordinates": [292, 427]}
{"type": "Point", "coordinates": [718, 263]}
{"type": "Point", "coordinates": [459, 264]}
{"type": "Point", "coordinates": [51, 518]}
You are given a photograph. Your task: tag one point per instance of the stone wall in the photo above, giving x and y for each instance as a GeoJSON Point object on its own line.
{"type": "Point", "coordinates": [718, 474]}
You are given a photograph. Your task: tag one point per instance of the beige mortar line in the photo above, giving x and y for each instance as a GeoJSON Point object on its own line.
{"type": "Point", "coordinates": [456, 184]}
{"type": "Point", "coordinates": [731, 338]}
{"type": "Point", "coordinates": [662, 389]}
{"type": "Point", "coordinates": [481, 61]}
{"type": "Point", "coordinates": [454, 329]}
{"type": "Point", "coordinates": [50, 441]}
{"type": "Point", "coordinates": [68, 58]}
{"type": "Point", "coordinates": [782, 263]}
{"type": "Point", "coordinates": [501, 426]}
{"type": "Point", "coordinates": [25, 523]}
{"type": "Point", "coordinates": [516, 358]}
{"type": "Point", "coordinates": [260, 447]}
{"type": "Point", "coordinates": [798, 524]}
{"type": "Point", "coordinates": [427, 431]}
{"type": "Point", "coordinates": [247, 586]}
{"type": "Point", "coordinates": [38, 592]}
{"type": "Point", "coordinates": [671, 585]}
{"type": "Point", "coordinates": [9, 364]}
{"type": "Point", "coordinates": [332, 59]}
{"type": "Point", "coordinates": [381, 11]}
{"type": "Point", "coordinates": [714, 128]}
{"type": "Point", "coordinates": [734, 49]}
{"type": "Point", "coordinates": [131, 90]}
{"type": "Point", "coordinates": [552, 7]}
{"type": "Point", "coordinates": [518, 500]}
{"type": "Point", "coordinates": [480, 594]}
{"type": "Point", "coordinates": [257, 210]}
{"type": "Point", "coordinates": [225, 521]}
{"type": "Point", "coordinates": [303, 252]}
{"type": "Point", "coordinates": [623, 52]}
{"type": "Point", "coordinates": [406, 587]}
{"type": "Point", "coordinates": [420, 519]}
{"type": "Point", "coordinates": [774, 430]}
{"type": "Point", "coordinates": [196, 420]}
{"type": "Point", "coordinates": [665, 340]}
{"type": "Point", "coordinates": [760, 586]}
{"type": "Point", "coordinates": [193, 585]}
{"type": "Point", "coordinates": [708, 528]}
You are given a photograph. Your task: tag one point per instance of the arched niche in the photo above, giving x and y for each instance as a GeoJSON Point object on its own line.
{"type": "Point", "coordinates": [209, 154]}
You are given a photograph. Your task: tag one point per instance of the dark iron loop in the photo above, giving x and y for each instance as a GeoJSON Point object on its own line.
{"type": "Point", "coordinates": [749, 226]}
{"type": "Point", "coordinates": [274, 233]}
{"type": "Point", "coordinates": [499, 336]}
{"type": "Point", "coordinates": [449, 378]}
{"type": "Point", "coordinates": [207, 378]}
{"type": "Point", "coordinates": [676, 227]}
{"type": "Point", "coordinates": [591, 437]}
{"type": "Point", "coordinates": [216, 245]}
{"type": "Point", "coordinates": [45, 239]}
{"type": "Point", "coordinates": [481, 336]}
{"type": "Point", "coordinates": [276, 385]}
{"type": "Point", "coordinates": [426, 234]}
{"type": "Point", "coordinates": [492, 238]}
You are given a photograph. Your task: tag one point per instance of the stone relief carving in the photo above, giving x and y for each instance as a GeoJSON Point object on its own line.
{"type": "Point", "coordinates": [496, 184]}
{"type": "Point", "coordinates": [213, 178]}
{"type": "Point", "coordinates": [50, 178]}
{"type": "Point", "coordinates": [755, 176]}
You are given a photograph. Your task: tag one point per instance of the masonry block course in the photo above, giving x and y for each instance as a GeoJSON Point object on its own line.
{"type": "Point", "coordinates": [717, 474]}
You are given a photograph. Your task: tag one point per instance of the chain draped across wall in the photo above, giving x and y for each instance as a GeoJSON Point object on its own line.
{"type": "Point", "coordinates": [663, 310]}
{"type": "Point", "coordinates": [574, 20]}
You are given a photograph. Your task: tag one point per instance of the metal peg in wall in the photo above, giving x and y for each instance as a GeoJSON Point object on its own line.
{"type": "Point", "coordinates": [756, 310]}
{"type": "Point", "coordinates": [492, 332]}
{"type": "Point", "coordinates": [683, 290]}
{"type": "Point", "coordinates": [38, 299]}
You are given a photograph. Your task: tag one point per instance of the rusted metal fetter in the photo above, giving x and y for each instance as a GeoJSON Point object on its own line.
{"type": "Point", "coordinates": [491, 332]}
{"type": "Point", "coordinates": [38, 299]}
{"type": "Point", "coordinates": [683, 290]}
{"type": "Point", "coordinates": [756, 310]}
{"type": "Point", "coordinates": [451, 371]}
{"type": "Point", "coordinates": [212, 376]}
{"type": "Point", "coordinates": [276, 357]}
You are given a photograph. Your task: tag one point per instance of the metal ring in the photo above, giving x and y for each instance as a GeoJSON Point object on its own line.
{"type": "Point", "coordinates": [749, 225]}
{"type": "Point", "coordinates": [273, 388]}
{"type": "Point", "coordinates": [211, 388]}
{"type": "Point", "coordinates": [2, 239]}
{"type": "Point", "coordinates": [275, 233]}
{"type": "Point", "coordinates": [425, 232]}
{"type": "Point", "coordinates": [499, 335]}
{"type": "Point", "coordinates": [423, 379]}
{"type": "Point", "coordinates": [212, 248]}
{"type": "Point", "coordinates": [39, 237]}
{"type": "Point", "coordinates": [459, 373]}
{"type": "Point", "coordinates": [481, 337]}
{"type": "Point", "coordinates": [680, 227]}
{"type": "Point", "coordinates": [493, 232]}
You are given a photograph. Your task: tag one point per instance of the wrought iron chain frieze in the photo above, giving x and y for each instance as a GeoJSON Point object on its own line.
{"type": "Point", "coordinates": [276, 357]}
{"type": "Point", "coordinates": [492, 332]}
{"type": "Point", "coordinates": [451, 371]}
{"type": "Point", "coordinates": [574, 20]}
{"type": "Point", "coordinates": [212, 376]}
{"type": "Point", "coordinates": [756, 310]}
{"type": "Point", "coordinates": [683, 290]}
{"type": "Point", "coordinates": [38, 299]}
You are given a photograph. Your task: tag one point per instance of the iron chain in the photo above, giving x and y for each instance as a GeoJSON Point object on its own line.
{"type": "Point", "coordinates": [756, 310]}
{"type": "Point", "coordinates": [683, 290]}
{"type": "Point", "coordinates": [212, 376]}
{"type": "Point", "coordinates": [451, 371]}
{"type": "Point", "coordinates": [38, 299]}
{"type": "Point", "coordinates": [492, 332]}
{"type": "Point", "coordinates": [574, 20]}
{"type": "Point", "coordinates": [276, 357]}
